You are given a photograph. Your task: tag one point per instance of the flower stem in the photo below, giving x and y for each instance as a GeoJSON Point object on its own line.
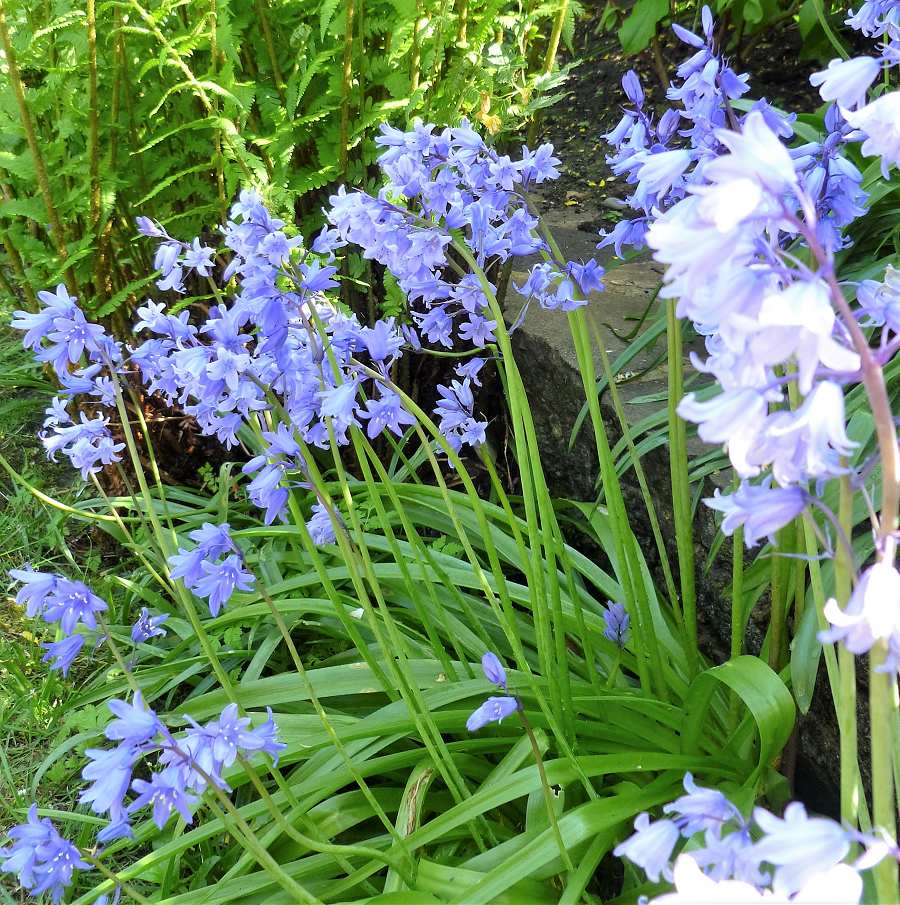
{"type": "Point", "coordinates": [548, 793]}
{"type": "Point", "coordinates": [881, 688]}
{"type": "Point", "coordinates": [96, 862]}
{"type": "Point", "coordinates": [843, 570]}
{"type": "Point", "coordinates": [615, 669]}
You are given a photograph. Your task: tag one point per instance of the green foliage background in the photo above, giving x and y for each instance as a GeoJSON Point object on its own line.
{"type": "Point", "coordinates": [167, 109]}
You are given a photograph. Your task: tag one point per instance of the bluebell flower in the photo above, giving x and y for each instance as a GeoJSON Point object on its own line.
{"type": "Point", "coordinates": [880, 121]}
{"type": "Point", "coordinates": [651, 846]}
{"type": "Point", "coordinates": [340, 403]}
{"type": "Point", "coordinates": [876, 18]}
{"type": "Point", "coordinates": [382, 341]}
{"type": "Point", "coordinates": [165, 793]}
{"type": "Point", "coordinates": [478, 330]}
{"type": "Point", "coordinates": [493, 709]}
{"type": "Point", "coordinates": [198, 257]}
{"type": "Point", "coordinates": [105, 900]}
{"type": "Point", "coordinates": [151, 228]}
{"type": "Point", "coordinates": [386, 413]}
{"type": "Point", "coordinates": [39, 324]}
{"type": "Point", "coordinates": [187, 756]}
{"type": "Point", "coordinates": [267, 490]}
{"type": "Point", "coordinates": [455, 410]}
{"type": "Point", "coordinates": [840, 883]}
{"type": "Point", "coordinates": [702, 809]}
{"type": "Point", "coordinates": [41, 858]}
{"type": "Point", "coordinates": [631, 85]}
{"type": "Point", "coordinates": [470, 370]}
{"type": "Point", "coordinates": [210, 749]}
{"type": "Point", "coordinates": [229, 734]}
{"type": "Point", "coordinates": [539, 166]}
{"type": "Point", "coordinates": [72, 602]}
{"type": "Point", "coordinates": [37, 587]}
{"type": "Point", "coordinates": [63, 652]}
{"type": "Point", "coordinates": [731, 855]}
{"type": "Point", "coordinates": [266, 740]}
{"type": "Point", "coordinates": [135, 724]}
{"type": "Point", "coordinates": [212, 541]}
{"type": "Point", "coordinates": [110, 774]}
{"type": "Point", "coordinates": [493, 669]}
{"type": "Point", "coordinates": [873, 611]}
{"type": "Point", "coordinates": [148, 626]}
{"type": "Point", "coordinates": [116, 829]}
{"type": "Point", "coordinates": [317, 278]}
{"type": "Point", "coordinates": [760, 509]}
{"type": "Point", "coordinates": [847, 81]}
{"type": "Point", "coordinates": [320, 526]}
{"type": "Point", "coordinates": [799, 846]}
{"type": "Point", "coordinates": [220, 581]}
{"type": "Point", "coordinates": [616, 620]}
{"type": "Point", "coordinates": [587, 276]}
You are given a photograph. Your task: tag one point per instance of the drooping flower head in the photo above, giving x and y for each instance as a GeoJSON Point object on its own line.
{"type": "Point", "coordinates": [494, 709]}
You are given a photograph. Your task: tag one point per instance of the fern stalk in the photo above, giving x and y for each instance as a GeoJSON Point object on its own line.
{"type": "Point", "coordinates": [118, 51]}
{"type": "Point", "coordinates": [462, 21]}
{"type": "Point", "coordinates": [217, 133]}
{"type": "Point", "coordinates": [263, 9]}
{"type": "Point", "coordinates": [132, 126]}
{"type": "Point", "coordinates": [100, 264]}
{"type": "Point", "coordinates": [345, 89]}
{"type": "Point", "coordinates": [549, 60]}
{"type": "Point", "coordinates": [199, 91]}
{"type": "Point", "coordinates": [15, 260]}
{"type": "Point", "coordinates": [415, 62]}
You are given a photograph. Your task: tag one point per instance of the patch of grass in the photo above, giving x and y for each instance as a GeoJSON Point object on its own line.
{"type": "Point", "coordinates": [33, 699]}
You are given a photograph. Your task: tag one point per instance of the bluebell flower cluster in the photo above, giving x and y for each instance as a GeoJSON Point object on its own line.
{"type": "Point", "coordinates": [148, 627]}
{"type": "Point", "coordinates": [208, 578]}
{"type": "Point", "coordinates": [797, 847]}
{"type": "Point", "coordinates": [62, 602]}
{"type": "Point", "coordinates": [724, 214]}
{"type": "Point", "coordinates": [495, 708]}
{"type": "Point", "coordinates": [442, 186]}
{"type": "Point", "coordinates": [280, 341]}
{"type": "Point", "coordinates": [73, 608]}
{"type": "Point", "coordinates": [877, 19]}
{"type": "Point", "coordinates": [728, 229]}
{"type": "Point", "coordinates": [42, 859]}
{"type": "Point", "coordinates": [321, 526]}
{"type": "Point", "coordinates": [86, 360]}
{"type": "Point", "coordinates": [847, 82]}
{"type": "Point", "coordinates": [872, 613]}
{"type": "Point", "coordinates": [616, 620]}
{"type": "Point", "coordinates": [174, 257]}
{"type": "Point", "coordinates": [666, 158]}
{"type": "Point", "coordinates": [188, 762]}
{"type": "Point", "coordinates": [456, 407]}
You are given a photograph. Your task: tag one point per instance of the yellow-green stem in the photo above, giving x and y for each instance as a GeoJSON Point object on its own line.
{"type": "Point", "coordinates": [882, 687]}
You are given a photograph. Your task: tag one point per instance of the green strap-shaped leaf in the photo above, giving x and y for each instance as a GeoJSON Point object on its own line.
{"type": "Point", "coordinates": [760, 689]}
{"type": "Point", "coordinates": [639, 28]}
{"type": "Point", "coordinates": [806, 651]}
